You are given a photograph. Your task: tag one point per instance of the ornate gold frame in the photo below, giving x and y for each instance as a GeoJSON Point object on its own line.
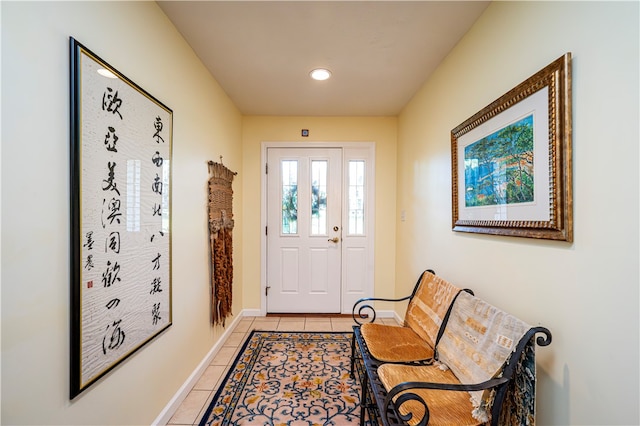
{"type": "Point", "coordinates": [556, 77]}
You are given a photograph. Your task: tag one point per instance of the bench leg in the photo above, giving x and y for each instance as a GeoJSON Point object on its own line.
{"type": "Point", "coordinates": [363, 399]}
{"type": "Point", "coordinates": [353, 353]}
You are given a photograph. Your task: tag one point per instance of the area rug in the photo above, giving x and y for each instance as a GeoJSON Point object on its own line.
{"type": "Point", "coordinates": [288, 378]}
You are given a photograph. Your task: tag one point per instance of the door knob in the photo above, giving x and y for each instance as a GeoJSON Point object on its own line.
{"type": "Point", "coordinates": [334, 240]}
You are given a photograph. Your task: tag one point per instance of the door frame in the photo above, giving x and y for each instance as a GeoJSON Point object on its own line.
{"type": "Point", "coordinates": [368, 285]}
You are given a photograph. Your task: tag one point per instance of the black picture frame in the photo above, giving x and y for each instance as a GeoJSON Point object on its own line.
{"type": "Point", "coordinates": [120, 204]}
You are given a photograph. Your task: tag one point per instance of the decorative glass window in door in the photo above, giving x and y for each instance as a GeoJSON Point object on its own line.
{"type": "Point", "coordinates": [289, 197]}
{"type": "Point", "coordinates": [318, 197]}
{"type": "Point", "coordinates": [356, 197]}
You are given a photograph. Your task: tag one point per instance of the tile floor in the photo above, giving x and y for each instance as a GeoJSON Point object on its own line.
{"type": "Point", "coordinates": [193, 407]}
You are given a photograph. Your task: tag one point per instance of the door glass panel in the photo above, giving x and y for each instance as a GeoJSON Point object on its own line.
{"type": "Point", "coordinates": [289, 196]}
{"type": "Point", "coordinates": [356, 197]}
{"type": "Point", "coordinates": [318, 197]}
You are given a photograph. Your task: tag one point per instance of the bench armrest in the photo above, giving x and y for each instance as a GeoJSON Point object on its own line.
{"type": "Point", "coordinates": [402, 393]}
{"type": "Point", "coordinates": [363, 312]}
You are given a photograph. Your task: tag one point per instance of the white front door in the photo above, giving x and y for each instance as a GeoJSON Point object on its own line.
{"type": "Point", "coordinates": [304, 230]}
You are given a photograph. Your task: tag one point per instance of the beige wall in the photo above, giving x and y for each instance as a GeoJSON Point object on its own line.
{"type": "Point", "coordinates": [585, 292]}
{"type": "Point", "coordinates": [138, 40]}
{"type": "Point", "coordinates": [381, 130]}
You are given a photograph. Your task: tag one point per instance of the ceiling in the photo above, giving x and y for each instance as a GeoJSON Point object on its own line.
{"type": "Point", "coordinates": [379, 52]}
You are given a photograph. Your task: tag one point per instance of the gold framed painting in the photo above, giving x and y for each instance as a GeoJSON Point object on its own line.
{"type": "Point", "coordinates": [511, 161]}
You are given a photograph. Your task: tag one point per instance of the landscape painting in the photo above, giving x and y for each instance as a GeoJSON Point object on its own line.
{"type": "Point", "coordinates": [498, 169]}
{"type": "Point", "coordinates": [511, 162]}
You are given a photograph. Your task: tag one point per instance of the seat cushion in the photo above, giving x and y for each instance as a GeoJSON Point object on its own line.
{"type": "Point", "coordinates": [391, 343]}
{"type": "Point", "coordinates": [429, 306]}
{"type": "Point", "coordinates": [446, 408]}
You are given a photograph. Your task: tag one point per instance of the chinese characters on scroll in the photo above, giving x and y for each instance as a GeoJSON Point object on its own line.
{"type": "Point", "coordinates": [122, 292]}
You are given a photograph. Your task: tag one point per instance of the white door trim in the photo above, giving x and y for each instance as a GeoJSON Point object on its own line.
{"type": "Point", "coordinates": [370, 146]}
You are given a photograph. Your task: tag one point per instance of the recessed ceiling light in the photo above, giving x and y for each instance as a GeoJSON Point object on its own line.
{"type": "Point", "coordinates": [320, 74]}
{"type": "Point", "coordinates": [106, 73]}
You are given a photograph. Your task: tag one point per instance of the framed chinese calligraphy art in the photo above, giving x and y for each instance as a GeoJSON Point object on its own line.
{"type": "Point", "coordinates": [121, 139]}
{"type": "Point", "coordinates": [511, 162]}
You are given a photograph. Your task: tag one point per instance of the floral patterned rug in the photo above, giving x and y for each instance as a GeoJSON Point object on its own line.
{"type": "Point", "coordinates": [289, 378]}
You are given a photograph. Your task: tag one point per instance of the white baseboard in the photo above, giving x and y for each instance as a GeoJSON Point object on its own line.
{"type": "Point", "coordinates": [168, 411]}
{"type": "Point", "coordinates": [252, 313]}
{"type": "Point", "coordinates": [390, 314]}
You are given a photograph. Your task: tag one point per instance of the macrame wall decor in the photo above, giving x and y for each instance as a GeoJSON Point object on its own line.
{"type": "Point", "coordinates": [221, 240]}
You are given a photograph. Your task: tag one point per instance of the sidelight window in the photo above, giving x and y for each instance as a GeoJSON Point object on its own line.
{"type": "Point", "coordinates": [356, 197]}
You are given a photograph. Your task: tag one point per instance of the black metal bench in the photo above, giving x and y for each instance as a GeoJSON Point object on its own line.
{"type": "Point", "coordinates": [383, 407]}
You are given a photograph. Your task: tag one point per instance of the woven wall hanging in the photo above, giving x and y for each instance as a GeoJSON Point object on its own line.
{"type": "Point", "coordinates": [221, 240]}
